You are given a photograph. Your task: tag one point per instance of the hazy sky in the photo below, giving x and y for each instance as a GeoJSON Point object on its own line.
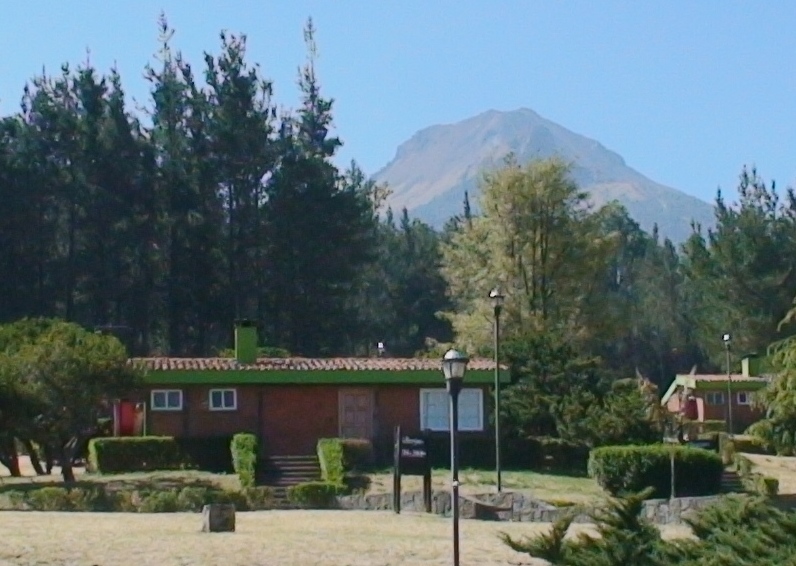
{"type": "Point", "coordinates": [686, 92]}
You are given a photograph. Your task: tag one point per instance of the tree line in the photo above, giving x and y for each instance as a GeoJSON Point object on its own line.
{"type": "Point", "coordinates": [211, 204]}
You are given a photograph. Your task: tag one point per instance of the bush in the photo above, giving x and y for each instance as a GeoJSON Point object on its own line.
{"type": "Point", "coordinates": [64, 499]}
{"type": "Point", "coordinates": [160, 502]}
{"type": "Point", "coordinates": [135, 454]}
{"type": "Point", "coordinates": [314, 494]}
{"type": "Point", "coordinates": [630, 469]}
{"type": "Point", "coordinates": [749, 445]}
{"type": "Point", "coordinates": [244, 458]}
{"type": "Point", "coordinates": [768, 486]}
{"type": "Point", "coordinates": [259, 498]}
{"type": "Point", "coordinates": [132, 501]}
{"type": "Point", "coordinates": [211, 453]}
{"type": "Point", "coordinates": [560, 454]}
{"type": "Point", "coordinates": [357, 454]}
{"type": "Point", "coordinates": [50, 499]}
{"type": "Point", "coordinates": [331, 458]}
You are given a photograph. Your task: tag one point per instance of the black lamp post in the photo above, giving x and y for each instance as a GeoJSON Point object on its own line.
{"type": "Point", "coordinates": [497, 305]}
{"type": "Point", "coordinates": [454, 366]}
{"type": "Point", "coordinates": [727, 338]}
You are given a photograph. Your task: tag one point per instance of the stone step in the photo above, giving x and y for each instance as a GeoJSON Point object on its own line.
{"type": "Point", "coordinates": [286, 470]}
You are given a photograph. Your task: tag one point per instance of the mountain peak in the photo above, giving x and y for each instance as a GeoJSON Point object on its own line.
{"type": "Point", "coordinates": [431, 170]}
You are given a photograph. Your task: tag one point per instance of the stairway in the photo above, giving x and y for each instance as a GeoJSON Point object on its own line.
{"type": "Point", "coordinates": [281, 472]}
{"type": "Point", "coordinates": [731, 482]}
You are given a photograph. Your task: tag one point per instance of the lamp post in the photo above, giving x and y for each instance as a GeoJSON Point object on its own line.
{"type": "Point", "coordinates": [454, 366]}
{"type": "Point", "coordinates": [497, 306]}
{"type": "Point", "coordinates": [727, 339]}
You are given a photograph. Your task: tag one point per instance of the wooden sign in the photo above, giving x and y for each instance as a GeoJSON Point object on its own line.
{"type": "Point", "coordinates": [410, 458]}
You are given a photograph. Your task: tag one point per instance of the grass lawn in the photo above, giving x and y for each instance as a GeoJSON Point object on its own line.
{"type": "Point", "coordinates": [545, 486]}
{"type": "Point", "coordinates": [266, 537]}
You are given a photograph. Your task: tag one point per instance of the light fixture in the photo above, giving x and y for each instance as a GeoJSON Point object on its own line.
{"type": "Point", "coordinates": [497, 297]}
{"type": "Point", "coordinates": [454, 365]}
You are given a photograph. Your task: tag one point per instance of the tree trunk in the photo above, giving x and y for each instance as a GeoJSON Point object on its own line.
{"type": "Point", "coordinates": [67, 459]}
{"type": "Point", "coordinates": [49, 461]}
{"type": "Point", "coordinates": [33, 453]}
{"type": "Point", "coordinates": [9, 457]}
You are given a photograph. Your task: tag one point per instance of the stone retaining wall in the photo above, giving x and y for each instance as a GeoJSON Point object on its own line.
{"type": "Point", "coordinates": [515, 506]}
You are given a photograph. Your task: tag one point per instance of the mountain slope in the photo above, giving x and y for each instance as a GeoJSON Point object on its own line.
{"type": "Point", "coordinates": [433, 169]}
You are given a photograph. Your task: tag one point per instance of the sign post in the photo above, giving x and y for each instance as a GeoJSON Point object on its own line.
{"type": "Point", "coordinates": [410, 458]}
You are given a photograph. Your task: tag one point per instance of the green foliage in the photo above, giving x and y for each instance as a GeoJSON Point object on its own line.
{"type": "Point", "coordinates": [93, 499]}
{"type": "Point", "coordinates": [561, 394]}
{"type": "Point", "coordinates": [244, 458]}
{"type": "Point", "coordinates": [557, 454]}
{"type": "Point", "coordinates": [135, 454]}
{"type": "Point", "coordinates": [357, 454]}
{"type": "Point", "coordinates": [316, 494]}
{"type": "Point", "coordinates": [331, 457]}
{"type": "Point", "coordinates": [624, 538]}
{"type": "Point", "coordinates": [739, 275]}
{"type": "Point", "coordinates": [550, 546]}
{"type": "Point", "coordinates": [752, 481]}
{"type": "Point", "coordinates": [343, 460]}
{"type": "Point", "coordinates": [626, 469]}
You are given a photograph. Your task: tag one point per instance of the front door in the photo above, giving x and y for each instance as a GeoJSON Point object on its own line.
{"type": "Point", "coordinates": [356, 413]}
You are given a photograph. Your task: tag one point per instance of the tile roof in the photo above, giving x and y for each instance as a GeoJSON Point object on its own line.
{"type": "Point", "coordinates": [723, 377]}
{"type": "Point", "coordinates": [306, 364]}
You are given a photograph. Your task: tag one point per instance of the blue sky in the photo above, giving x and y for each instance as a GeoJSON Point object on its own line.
{"type": "Point", "coordinates": [686, 92]}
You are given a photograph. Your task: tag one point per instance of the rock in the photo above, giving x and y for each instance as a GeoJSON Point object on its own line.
{"type": "Point", "coordinates": [218, 518]}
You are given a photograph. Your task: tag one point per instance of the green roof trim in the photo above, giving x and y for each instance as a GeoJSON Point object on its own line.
{"type": "Point", "coordinates": [318, 377]}
{"type": "Point", "coordinates": [738, 383]}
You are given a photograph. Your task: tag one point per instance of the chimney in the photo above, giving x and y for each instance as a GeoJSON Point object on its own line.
{"type": "Point", "coordinates": [245, 341]}
{"type": "Point", "coordinates": [751, 365]}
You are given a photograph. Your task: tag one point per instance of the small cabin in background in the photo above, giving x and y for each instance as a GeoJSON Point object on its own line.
{"type": "Point", "coordinates": [704, 398]}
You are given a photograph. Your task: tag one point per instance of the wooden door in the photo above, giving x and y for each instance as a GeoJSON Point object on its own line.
{"type": "Point", "coordinates": [356, 413]}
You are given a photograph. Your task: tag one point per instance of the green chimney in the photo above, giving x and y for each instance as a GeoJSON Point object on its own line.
{"type": "Point", "coordinates": [751, 365]}
{"type": "Point", "coordinates": [245, 341]}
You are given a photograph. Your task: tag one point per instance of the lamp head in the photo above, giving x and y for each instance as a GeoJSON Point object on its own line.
{"type": "Point", "coordinates": [454, 365]}
{"type": "Point", "coordinates": [497, 297]}
{"type": "Point", "coordinates": [726, 338]}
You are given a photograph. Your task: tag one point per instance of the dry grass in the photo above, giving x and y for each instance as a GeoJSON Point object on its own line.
{"type": "Point", "coordinates": [782, 468]}
{"type": "Point", "coordinates": [271, 537]}
{"type": "Point", "coordinates": [547, 487]}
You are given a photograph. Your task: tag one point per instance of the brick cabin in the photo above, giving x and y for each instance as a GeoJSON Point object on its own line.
{"type": "Point", "coordinates": [292, 402]}
{"type": "Point", "coordinates": [704, 397]}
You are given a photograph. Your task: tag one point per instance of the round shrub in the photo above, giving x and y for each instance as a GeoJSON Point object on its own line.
{"type": "Point", "coordinates": [630, 469]}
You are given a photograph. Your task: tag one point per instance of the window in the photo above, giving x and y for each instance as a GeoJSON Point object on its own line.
{"type": "Point", "coordinates": [714, 398]}
{"type": "Point", "coordinates": [223, 400]}
{"type": "Point", "coordinates": [435, 406]}
{"type": "Point", "coordinates": [744, 398]}
{"type": "Point", "coordinates": [166, 400]}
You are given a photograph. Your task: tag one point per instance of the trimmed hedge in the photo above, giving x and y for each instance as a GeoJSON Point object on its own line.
{"type": "Point", "coordinates": [330, 457]}
{"type": "Point", "coordinates": [315, 494]}
{"type": "Point", "coordinates": [342, 459]}
{"type": "Point", "coordinates": [99, 499]}
{"type": "Point", "coordinates": [244, 458]}
{"type": "Point", "coordinates": [357, 454]}
{"type": "Point", "coordinates": [630, 469]}
{"type": "Point", "coordinates": [135, 454]}
{"type": "Point", "coordinates": [208, 453]}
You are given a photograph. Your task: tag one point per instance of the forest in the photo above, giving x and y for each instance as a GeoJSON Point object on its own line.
{"type": "Point", "coordinates": [166, 223]}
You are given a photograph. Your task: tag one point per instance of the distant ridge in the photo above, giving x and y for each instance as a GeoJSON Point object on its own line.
{"type": "Point", "coordinates": [432, 170]}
